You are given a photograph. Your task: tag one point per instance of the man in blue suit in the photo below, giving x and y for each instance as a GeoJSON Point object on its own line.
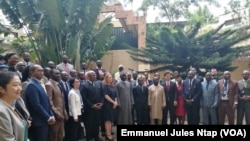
{"type": "Point", "coordinates": [191, 90]}
{"type": "Point", "coordinates": [38, 105]}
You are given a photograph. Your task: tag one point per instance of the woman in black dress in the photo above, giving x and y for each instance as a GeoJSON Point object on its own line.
{"type": "Point", "coordinates": [110, 103]}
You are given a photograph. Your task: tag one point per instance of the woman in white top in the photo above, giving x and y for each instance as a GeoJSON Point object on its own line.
{"type": "Point", "coordinates": [75, 110]}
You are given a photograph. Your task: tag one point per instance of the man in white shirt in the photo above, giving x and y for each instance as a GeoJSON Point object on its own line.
{"type": "Point", "coordinates": [117, 74]}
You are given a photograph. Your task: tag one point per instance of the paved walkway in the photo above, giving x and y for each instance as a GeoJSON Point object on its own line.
{"type": "Point", "coordinates": [103, 138]}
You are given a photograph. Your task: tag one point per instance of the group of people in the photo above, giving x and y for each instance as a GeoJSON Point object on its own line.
{"type": "Point", "coordinates": [208, 100]}
{"type": "Point", "coordinates": [205, 100]}
{"type": "Point", "coordinates": [57, 103]}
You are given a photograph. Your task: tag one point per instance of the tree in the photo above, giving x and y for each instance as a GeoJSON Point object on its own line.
{"type": "Point", "coordinates": [5, 31]}
{"type": "Point", "coordinates": [61, 27]}
{"type": "Point", "coordinates": [173, 10]}
{"type": "Point", "coordinates": [192, 43]}
{"type": "Point", "coordinates": [176, 49]}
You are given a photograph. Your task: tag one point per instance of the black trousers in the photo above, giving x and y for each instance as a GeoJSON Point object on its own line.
{"type": "Point", "coordinates": [39, 133]}
{"type": "Point", "coordinates": [171, 109]}
{"type": "Point", "coordinates": [92, 122]}
{"type": "Point", "coordinates": [75, 129]}
{"type": "Point", "coordinates": [193, 113]}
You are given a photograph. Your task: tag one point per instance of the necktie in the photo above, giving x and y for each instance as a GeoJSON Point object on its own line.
{"type": "Point", "coordinates": [207, 85]}
{"type": "Point", "coordinates": [225, 88]}
{"type": "Point", "coordinates": [225, 84]}
{"type": "Point", "coordinates": [141, 89]}
{"type": "Point", "coordinates": [190, 83]}
{"type": "Point", "coordinates": [66, 87]}
{"type": "Point", "coordinates": [168, 85]}
{"type": "Point", "coordinates": [60, 90]}
{"type": "Point", "coordinates": [66, 68]}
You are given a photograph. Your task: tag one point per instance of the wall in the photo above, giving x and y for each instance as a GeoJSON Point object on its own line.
{"type": "Point", "coordinates": [243, 64]}
{"type": "Point", "coordinates": [114, 58]}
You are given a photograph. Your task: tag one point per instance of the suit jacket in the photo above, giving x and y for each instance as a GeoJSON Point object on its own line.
{"type": "Point", "coordinates": [140, 96]}
{"type": "Point", "coordinates": [12, 127]}
{"type": "Point", "coordinates": [27, 63]}
{"type": "Point", "coordinates": [242, 89]}
{"type": "Point", "coordinates": [56, 99]}
{"type": "Point", "coordinates": [232, 92]}
{"type": "Point", "coordinates": [21, 107]}
{"type": "Point", "coordinates": [198, 77]}
{"type": "Point", "coordinates": [193, 92]}
{"type": "Point", "coordinates": [65, 92]}
{"type": "Point", "coordinates": [38, 103]}
{"type": "Point", "coordinates": [210, 95]}
{"type": "Point", "coordinates": [96, 70]}
{"type": "Point", "coordinates": [171, 94]}
{"type": "Point", "coordinates": [91, 94]}
{"type": "Point", "coordinates": [61, 67]}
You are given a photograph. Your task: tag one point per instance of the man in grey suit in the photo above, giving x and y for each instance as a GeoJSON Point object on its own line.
{"type": "Point", "coordinates": [209, 100]}
{"type": "Point", "coordinates": [65, 65]}
{"type": "Point", "coordinates": [244, 99]}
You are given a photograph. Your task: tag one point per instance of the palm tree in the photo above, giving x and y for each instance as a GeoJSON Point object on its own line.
{"type": "Point", "coordinates": [60, 27]}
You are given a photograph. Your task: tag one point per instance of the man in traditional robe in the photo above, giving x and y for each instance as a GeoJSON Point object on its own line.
{"type": "Point", "coordinates": [156, 102]}
{"type": "Point", "coordinates": [125, 101]}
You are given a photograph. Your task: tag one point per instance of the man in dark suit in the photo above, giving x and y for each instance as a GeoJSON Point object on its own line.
{"type": "Point", "coordinates": [99, 70]}
{"type": "Point", "coordinates": [244, 99]}
{"type": "Point", "coordinates": [191, 90]}
{"type": "Point", "coordinates": [196, 75]}
{"type": "Point", "coordinates": [171, 99]}
{"type": "Point", "coordinates": [65, 88]}
{"type": "Point", "coordinates": [93, 98]}
{"type": "Point", "coordinates": [82, 78]}
{"type": "Point", "coordinates": [26, 59]}
{"type": "Point", "coordinates": [228, 98]}
{"type": "Point", "coordinates": [38, 105]}
{"type": "Point", "coordinates": [83, 67]}
{"type": "Point", "coordinates": [140, 94]}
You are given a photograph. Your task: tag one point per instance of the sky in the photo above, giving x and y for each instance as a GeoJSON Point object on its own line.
{"type": "Point", "coordinates": [152, 13]}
